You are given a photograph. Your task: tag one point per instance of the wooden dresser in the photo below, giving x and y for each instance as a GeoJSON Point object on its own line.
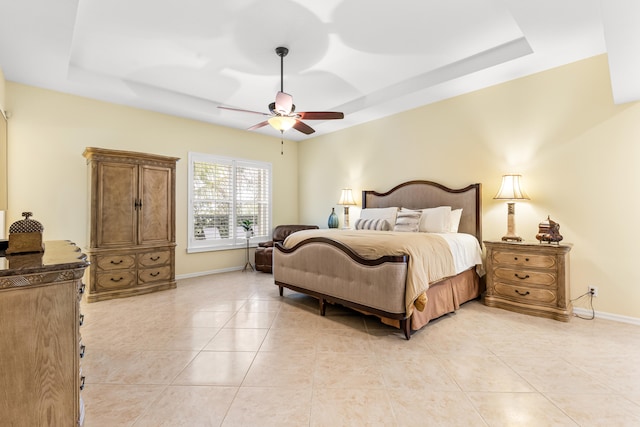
{"type": "Point", "coordinates": [529, 278]}
{"type": "Point", "coordinates": [132, 223]}
{"type": "Point", "coordinates": [40, 342]}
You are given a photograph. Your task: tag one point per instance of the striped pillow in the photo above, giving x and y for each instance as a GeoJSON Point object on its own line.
{"type": "Point", "coordinates": [407, 220]}
{"type": "Point", "coordinates": [373, 224]}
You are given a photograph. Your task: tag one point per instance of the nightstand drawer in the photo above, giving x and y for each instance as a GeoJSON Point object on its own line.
{"type": "Point", "coordinates": [525, 294]}
{"type": "Point", "coordinates": [527, 277]}
{"type": "Point", "coordinates": [524, 259]}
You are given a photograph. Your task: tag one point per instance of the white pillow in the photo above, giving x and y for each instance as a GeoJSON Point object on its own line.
{"type": "Point", "coordinates": [373, 224]}
{"type": "Point", "coordinates": [408, 221]}
{"type": "Point", "coordinates": [456, 214]}
{"type": "Point", "coordinates": [436, 220]}
{"type": "Point", "coordinates": [388, 214]}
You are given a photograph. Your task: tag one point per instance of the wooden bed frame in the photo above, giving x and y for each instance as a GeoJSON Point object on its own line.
{"type": "Point", "coordinates": [342, 276]}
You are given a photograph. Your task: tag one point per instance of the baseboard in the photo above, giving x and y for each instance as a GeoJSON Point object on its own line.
{"type": "Point", "coordinates": [585, 312]}
{"type": "Point", "coordinates": [206, 273]}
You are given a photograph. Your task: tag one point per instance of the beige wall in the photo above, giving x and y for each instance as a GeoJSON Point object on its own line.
{"type": "Point", "coordinates": [579, 155]}
{"type": "Point", "coordinates": [48, 132]}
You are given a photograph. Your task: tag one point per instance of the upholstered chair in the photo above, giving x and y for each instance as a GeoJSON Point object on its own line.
{"type": "Point", "coordinates": [264, 251]}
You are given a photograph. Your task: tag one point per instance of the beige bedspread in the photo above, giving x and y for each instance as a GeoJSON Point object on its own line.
{"type": "Point", "coordinates": [430, 257]}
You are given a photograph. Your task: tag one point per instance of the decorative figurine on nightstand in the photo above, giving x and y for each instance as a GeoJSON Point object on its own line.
{"type": "Point", "coordinates": [549, 231]}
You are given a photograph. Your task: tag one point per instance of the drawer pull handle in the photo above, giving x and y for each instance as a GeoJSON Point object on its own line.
{"type": "Point", "coordinates": [154, 258]}
{"type": "Point", "coordinates": [81, 290]}
{"type": "Point", "coordinates": [82, 348]}
{"type": "Point", "coordinates": [521, 277]}
{"type": "Point", "coordinates": [113, 279]}
{"type": "Point", "coordinates": [81, 319]}
{"type": "Point", "coordinates": [82, 382]}
{"type": "Point", "coordinates": [157, 273]}
{"type": "Point", "coordinates": [117, 262]}
{"type": "Point", "coordinates": [524, 294]}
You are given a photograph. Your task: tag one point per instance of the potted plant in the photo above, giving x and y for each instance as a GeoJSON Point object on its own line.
{"type": "Point", "coordinates": [247, 225]}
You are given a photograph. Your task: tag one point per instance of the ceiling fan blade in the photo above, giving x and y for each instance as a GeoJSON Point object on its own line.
{"type": "Point", "coordinates": [259, 125]}
{"type": "Point", "coordinates": [321, 115]}
{"type": "Point", "coordinates": [284, 103]}
{"type": "Point", "coordinates": [304, 128]}
{"type": "Point", "coordinates": [243, 111]}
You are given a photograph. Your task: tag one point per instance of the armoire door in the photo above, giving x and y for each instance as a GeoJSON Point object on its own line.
{"type": "Point", "coordinates": [117, 191]}
{"type": "Point", "coordinates": [155, 221]}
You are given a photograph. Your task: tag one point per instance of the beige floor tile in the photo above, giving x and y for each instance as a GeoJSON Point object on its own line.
{"type": "Point", "coordinates": [343, 341]}
{"type": "Point", "coordinates": [281, 369]}
{"type": "Point", "coordinates": [351, 407]}
{"type": "Point", "coordinates": [553, 374]}
{"type": "Point", "coordinates": [226, 368]}
{"type": "Point", "coordinates": [136, 367]}
{"type": "Point", "coordinates": [519, 409]}
{"type": "Point", "coordinates": [117, 405]}
{"type": "Point", "coordinates": [177, 338]}
{"type": "Point", "coordinates": [483, 374]}
{"type": "Point", "coordinates": [336, 370]}
{"type": "Point", "coordinates": [237, 340]}
{"type": "Point", "coordinates": [265, 407]}
{"type": "Point", "coordinates": [598, 410]}
{"type": "Point", "coordinates": [291, 340]}
{"type": "Point", "coordinates": [417, 372]}
{"type": "Point", "coordinates": [434, 408]}
{"type": "Point", "coordinates": [251, 320]}
{"type": "Point", "coordinates": [186, 406]}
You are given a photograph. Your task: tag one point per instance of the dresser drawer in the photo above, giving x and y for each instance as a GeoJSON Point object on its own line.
{"type": "Point", "coordinates": [149, 259]}
{"type": "Point", "coordinates": [525, 294]}
{"type": "Point", "coordinates": [524, 259]}
{"type": "Point", "coordinates": [149, 275]}
{"type": "Point", "coordinates": [116, 262]}
{"type": "Point", "coordinates": [526, 277]}
{"type": "Point", "coordinates": [115, 280]}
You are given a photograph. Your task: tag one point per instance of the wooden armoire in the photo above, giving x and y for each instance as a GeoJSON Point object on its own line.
{"type": "Point", "coordinates": [132, 223]}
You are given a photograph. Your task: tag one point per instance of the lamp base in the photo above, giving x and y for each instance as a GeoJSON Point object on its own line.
{"type": "Point", "coordinates": [512, 239]}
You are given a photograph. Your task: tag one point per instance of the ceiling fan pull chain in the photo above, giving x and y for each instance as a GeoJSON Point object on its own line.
{"type": "Point", "coordinates": [281, 142]}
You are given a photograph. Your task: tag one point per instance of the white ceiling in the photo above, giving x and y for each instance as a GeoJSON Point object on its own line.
{"type": "Point", "coordinates": [367, 58]}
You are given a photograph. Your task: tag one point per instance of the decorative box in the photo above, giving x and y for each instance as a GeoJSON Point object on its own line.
{"type": "Point", "coordinates": [549, 231]}
{"type": "Point", "coordinates": [25, 236]}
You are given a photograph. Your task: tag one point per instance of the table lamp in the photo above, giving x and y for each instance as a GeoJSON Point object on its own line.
{"type": "Point", "coordinates": [511, 190]}
{"type": "Point", "coordinates": [346, 199]}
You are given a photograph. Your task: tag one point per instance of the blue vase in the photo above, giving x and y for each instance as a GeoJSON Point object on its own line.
{"type": "Point", "coordinates": [333, 219]}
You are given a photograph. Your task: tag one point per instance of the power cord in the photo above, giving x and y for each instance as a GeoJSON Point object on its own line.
{"type": "Point", "coordinates": [588, 294]}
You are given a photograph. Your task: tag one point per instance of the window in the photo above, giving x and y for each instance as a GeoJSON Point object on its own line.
{"type": "Point", "coordinates": [224, 192]}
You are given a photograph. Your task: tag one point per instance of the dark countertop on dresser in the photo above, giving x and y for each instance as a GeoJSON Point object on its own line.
{"type": "Point", "coordinates": [57, 255]}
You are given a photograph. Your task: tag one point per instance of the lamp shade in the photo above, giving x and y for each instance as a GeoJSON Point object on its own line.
{"type": "Point", "coordinates": [282, 123]}
{"type": "Point", "coordinates": [346, 198]}
{"type": "Point", "coordinates": [510, 189]}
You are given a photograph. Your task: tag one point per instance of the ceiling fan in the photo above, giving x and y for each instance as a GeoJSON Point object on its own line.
{"type": "Point", "coordinates": [282, 114]}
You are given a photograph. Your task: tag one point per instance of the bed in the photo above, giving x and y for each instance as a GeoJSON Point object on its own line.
{"type": "Point", "coordinates": [406, 279]}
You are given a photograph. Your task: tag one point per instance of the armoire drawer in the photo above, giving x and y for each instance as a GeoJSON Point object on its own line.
{"type": "Point", "coordinates": [115, 280]}
{"type": "Point", "coordinates": [115, 262]}
{"type": "Point", "coordinates": [149, 259]}
{"type": "Point", "coordinates": [156, 274]}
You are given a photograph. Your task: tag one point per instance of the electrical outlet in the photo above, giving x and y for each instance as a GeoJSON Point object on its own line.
{"type": "Point", "coordinates": [593, 290]}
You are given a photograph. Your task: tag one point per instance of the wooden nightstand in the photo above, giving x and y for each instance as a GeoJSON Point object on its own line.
{"type": "Point", "coordinates": [529, 278]}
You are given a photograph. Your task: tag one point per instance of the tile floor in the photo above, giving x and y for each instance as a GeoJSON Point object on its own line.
{"type": "Point", "coordinates": [227, 350]}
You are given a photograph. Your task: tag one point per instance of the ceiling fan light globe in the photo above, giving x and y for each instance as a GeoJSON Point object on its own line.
{"type": "Point", "coordinates": [282, 123]}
